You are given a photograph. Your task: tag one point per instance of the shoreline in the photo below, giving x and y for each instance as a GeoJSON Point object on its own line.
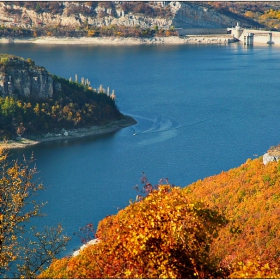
{"type": "Point", "coordinates": [172, 40]}
{"type": "Point", "coordinates": [70, 134]}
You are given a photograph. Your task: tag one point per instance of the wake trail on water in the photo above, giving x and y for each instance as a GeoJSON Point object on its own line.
{"type": "Point", "coordinates": [161, 125]}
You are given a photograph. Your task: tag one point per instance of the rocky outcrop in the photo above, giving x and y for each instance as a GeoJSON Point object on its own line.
{"type": "Point", "coordinates": [91, 242]}
{"type": "Point", "coordinates": [22, 78]}
{"type": "Point", "coordinates": [193, 15]}
{"type": "Point", "coordinates": [78, 14]}
{"type": "Point", "coordinates": [268, 158]}
{"type": "Point", "coordinates": [273, 154]}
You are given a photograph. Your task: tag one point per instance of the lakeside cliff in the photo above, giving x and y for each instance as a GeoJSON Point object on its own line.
{"type": "Point", "coordinates": [38, 105]}
{"type": "Point", "coordinates": [22, 78]}
{"type": "Point", "coordinates": [117, 22]}
{"type": "Point", "coordinates": [115, 18]}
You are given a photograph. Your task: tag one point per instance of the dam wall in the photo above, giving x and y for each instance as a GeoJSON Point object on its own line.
{"type": "Point", "coordinates": [259, 36]}
{"type": "Point", "coordinates": [199, 31]}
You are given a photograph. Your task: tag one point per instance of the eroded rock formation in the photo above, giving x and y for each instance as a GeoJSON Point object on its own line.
{"type": "Point", "coordinates": [273, 154]}
{"type": "Point", "coordinates": [79, 14]}
{"type": "Point", "coordinates": [22, 78]}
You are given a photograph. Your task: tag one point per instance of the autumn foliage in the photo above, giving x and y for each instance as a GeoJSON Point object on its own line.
{"type": "Point", "coordinates": [249, 196]}
{"type": "Point", "coordinates": [72, 105]}
{"type": "Point", "coordinates": [165, 235]}
{"type": "Point", "coordinates": [225, 226]}
{"type": "Point", "coordinates": [24, 251]}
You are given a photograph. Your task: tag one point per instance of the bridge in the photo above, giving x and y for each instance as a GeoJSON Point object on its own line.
{"type": "Point", "coordinates": [248, 37]}
{"type": "Point", "coordinates": [251, 36]}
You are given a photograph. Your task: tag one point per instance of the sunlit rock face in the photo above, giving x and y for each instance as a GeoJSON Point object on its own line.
{"type": "Point", "coordinates": [273, 154]}
{"type": "Point", "coordinates": [267, 157]}
{"type": "Point", "coordinates": [19, 77]}
{"type": "Point", "coordinates": [75, 15]}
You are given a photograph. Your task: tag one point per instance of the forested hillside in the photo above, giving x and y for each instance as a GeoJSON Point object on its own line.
{"type": "Point", "coordinates": [33, 101]}
{"type": "Point", "coordinates": [265, 13]}
{"type": "Point", "coordinates": [225, 226]}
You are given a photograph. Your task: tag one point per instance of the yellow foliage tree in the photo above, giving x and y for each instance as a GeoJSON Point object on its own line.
{"type": "Point", "coordinates": [21, 255]}
{"type": "Point", "coordinates": [91, 33]}
{"type": "Point", "coordinates": [249, 14]}
{"type": "Point", "coordinates": [249, 195]}
{"type": "Point", "coordinates": [179, 233]}
{"type": "Point", "coordinates": [165, 235]}
{"type": "Point", "coordinates": [254, 269]}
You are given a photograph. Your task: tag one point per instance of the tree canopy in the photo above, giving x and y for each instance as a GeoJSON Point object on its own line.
{"type": "Point", "coordinates": [164, 235]}
{"type": "Point", "coordinates": [225, 226]}
{"type": "Point", "coordinates": [24, 251]}
{"type": "Point", "coordinates": [72, 106]}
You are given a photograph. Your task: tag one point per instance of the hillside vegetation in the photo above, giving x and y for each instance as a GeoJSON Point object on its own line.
{"type": "Point", "coordinates": [267, 14]}
{"type": "Point", "coordinates": [225, 226]}
{"type": "Point", "coordinates": [32, 101]}
{"type": "Point", "coordinates": [19, 19]}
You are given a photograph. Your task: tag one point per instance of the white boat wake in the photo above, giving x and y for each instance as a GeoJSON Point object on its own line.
{"type": "Point", "coordinates": [164, 128]}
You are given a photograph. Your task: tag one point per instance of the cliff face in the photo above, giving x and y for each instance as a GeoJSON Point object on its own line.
{"type": "Point", "coordinates": [163, 14]}
{"type": "Point", "coordinates": [195, 15]}
{"type": "Point", "coordinates": [273, 154]}
{"type": "Point", "coordinates": [22, 78]}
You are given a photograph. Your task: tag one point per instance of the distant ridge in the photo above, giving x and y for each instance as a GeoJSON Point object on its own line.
{"type": "Point", "coordinates": [121, 19]}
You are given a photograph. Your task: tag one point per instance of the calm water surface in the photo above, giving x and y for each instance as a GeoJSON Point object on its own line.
{"type": "Point", "coordinates": [200, 110]}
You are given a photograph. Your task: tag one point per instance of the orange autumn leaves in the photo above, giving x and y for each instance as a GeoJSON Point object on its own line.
{"type": "Point", "coordinates": [165, 235]}
{"type": "Point", "coordinates": [249, 196]}
{"type": "Point", "coordinates": [225, 226]}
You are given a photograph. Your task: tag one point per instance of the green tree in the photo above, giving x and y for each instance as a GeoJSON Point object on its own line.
{"type": "Point", "coordinates": [24, 251]}
{"type": "Point", "coordinates": [8, 106]}
{"type": "Point", "coordinates": [38, 7]}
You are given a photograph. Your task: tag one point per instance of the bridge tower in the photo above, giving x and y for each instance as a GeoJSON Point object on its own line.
{"type": "Point", "coordinates": [270, 42]}
{"type": "Point", "coordinates": [236, 31]}
{"type": "Point", "coordinates": [249, 39]}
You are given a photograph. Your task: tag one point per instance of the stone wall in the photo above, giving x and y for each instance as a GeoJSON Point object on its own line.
{"type": "Point", "coordinates": [197, 15]}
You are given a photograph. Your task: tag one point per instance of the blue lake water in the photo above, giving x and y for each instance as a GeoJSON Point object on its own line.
{"type": "Point", "coordinates": [200, 110]}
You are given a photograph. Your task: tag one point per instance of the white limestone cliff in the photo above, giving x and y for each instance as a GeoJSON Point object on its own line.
{"type": "Point", "coordinates": [181, 15]}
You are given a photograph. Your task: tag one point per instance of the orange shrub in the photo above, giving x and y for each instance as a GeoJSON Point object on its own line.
{"type": "Point", "coordinates": [249, 196]}
{"type": "Point", "coordinates": [254, 269]}
{"type": "Point", "coordinates": [166, 235]}
{"type": "Point", "coordinates": [180, 233]}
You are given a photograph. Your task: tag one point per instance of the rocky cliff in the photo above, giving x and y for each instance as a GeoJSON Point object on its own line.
{"type": "Point", "coordinates": [35, 103]}
{"type": "Point", "coordinates": [22, 78]}
{"type": "Point", "coordinates": [201, 15]}
{"type": "Point", "coordinates": [163, 14]}
{"type": "Point", "coordinates": [273, 154]}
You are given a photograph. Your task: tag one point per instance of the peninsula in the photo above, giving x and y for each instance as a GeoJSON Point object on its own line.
{"type": "Point", "coordinates": [36, 106]}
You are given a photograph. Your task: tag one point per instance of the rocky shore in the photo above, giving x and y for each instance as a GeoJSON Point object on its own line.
{"type": "Point", "coordinates": [23, 142]}
{"type": "Point", "coordinates": [172, 40]}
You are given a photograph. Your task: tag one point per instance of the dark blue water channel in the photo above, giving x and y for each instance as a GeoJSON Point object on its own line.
{"type": "Point", "coordinates": [200, 110]}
